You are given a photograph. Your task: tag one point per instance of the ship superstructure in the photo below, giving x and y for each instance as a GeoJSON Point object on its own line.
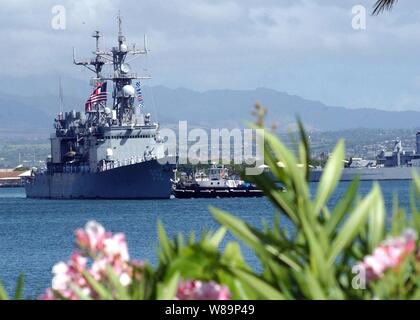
{"type": "Point", "coordinates": [399, 157]}
{"type": "Point", "coordinates": [113, 149]}
{"type": "Point", "coordinates": [396, 164]}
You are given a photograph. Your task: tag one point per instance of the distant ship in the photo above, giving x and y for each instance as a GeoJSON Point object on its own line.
{"type": "Point", "coordinates": [217, 184]}
{"type": "Point", "coordinates": [397, 164]}
{"type": "Point", "coordinates": [109, 151]}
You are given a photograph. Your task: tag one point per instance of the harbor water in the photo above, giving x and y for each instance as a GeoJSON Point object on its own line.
{"type": "Point", "coordinates": [35, 234]}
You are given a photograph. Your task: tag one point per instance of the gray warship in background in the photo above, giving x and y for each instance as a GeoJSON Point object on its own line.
{"type": "Point", "coordinates": [397, 164]}
{"type": "Point", "coordinates": [106, 152]}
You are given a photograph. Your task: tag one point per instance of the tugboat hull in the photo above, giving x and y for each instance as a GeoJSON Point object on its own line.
{"type": "Point", "coordinates": [185, 193]}
{"type": "Point", "coordinates": [145, 180]}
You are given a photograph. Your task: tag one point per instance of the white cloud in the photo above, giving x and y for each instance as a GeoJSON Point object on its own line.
{"type": "Point", "coordinates": [210, 12]}
{"type": "Point", "coordinates": [306, 47]}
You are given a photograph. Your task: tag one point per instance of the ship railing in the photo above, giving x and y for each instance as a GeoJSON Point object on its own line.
{"type": "Point", "coordinates": [64, 169]}
{"type": "Point", "coordinates": [104, 166]}
{"type": "Point", "coordinates": [109, 165]}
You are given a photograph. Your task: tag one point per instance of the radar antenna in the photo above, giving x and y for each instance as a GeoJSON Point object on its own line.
{"type": "Point", "coordinates": [60, 95]}
{"type": "Point", "coordinates": [122, 77]}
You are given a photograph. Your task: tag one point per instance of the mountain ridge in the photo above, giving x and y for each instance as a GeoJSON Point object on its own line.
{"type": "Point", "coordinates": [218, 108]}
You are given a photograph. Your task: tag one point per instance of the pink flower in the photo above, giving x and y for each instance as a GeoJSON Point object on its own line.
{"type": "Point", "coordinates": [389, 255]}
{"type": "Point", "coordinates": [125, 279]}
{"type": "Point", "coordinates": [116, 246]}
{"type": "Point", "coordinates": [198, 290]}
{"type": "Point", "coordinates": [48, 295]}
{"type": "Point", "coordinates": [98, 251]}
{"type": "Point", "coordinates": [61, 277]}
{"type": "Point", "coordinates": [91, 238]}
{"type": "Point", "coordinates": [68, 274]}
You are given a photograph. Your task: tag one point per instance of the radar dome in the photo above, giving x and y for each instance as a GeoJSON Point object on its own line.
{"type": "Point", "coordinates": [123, 47]}
{"type": "Point", "coordinates": [125, 68]}
{"type": "Point", "coordinates": [128, 91]}
{"type": "Point", "coordinates": [107, 110]}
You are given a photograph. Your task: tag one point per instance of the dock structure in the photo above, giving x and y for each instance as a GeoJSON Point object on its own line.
{"type": "Point", "coordinates": [10, 178]}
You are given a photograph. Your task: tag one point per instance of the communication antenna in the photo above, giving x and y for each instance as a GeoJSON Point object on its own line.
{"type": "Point", "coordinates": [119, 24]}
{"type": "Point", "coordinates": [97, 35]}
{"type": "Point", "coordinates": [146, 49]}
{"type": "Point", "coordinates": [60, 95]}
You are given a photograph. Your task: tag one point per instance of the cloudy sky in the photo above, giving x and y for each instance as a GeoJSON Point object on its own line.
{"type": "Point", "coordinates": [303, 47]}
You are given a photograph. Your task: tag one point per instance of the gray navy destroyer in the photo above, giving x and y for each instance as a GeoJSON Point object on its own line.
{"type": "Point", "coordinates": [398, 164]}
{"type": "Point", "coordinates": [109, 151]}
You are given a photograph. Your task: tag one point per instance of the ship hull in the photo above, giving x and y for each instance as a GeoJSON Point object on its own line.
{"type": "Point", "coordinates": [371, 174]}
{"type": "Point", "coordinates": [145, 180]}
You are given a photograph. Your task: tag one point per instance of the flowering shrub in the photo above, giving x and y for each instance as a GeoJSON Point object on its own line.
{"type": "Point", "coordinates": [340, 251]}
{"type": "Point", "coordinates": [198, 290]}
{"type": "Point", "coordinates": [389, 255]}
{"type": "Point", "coordinates": [106, 252]}
{"type": "Point", "coordinates": [101, 268]}
{"type": "Point", "coordinates": [331, 252]}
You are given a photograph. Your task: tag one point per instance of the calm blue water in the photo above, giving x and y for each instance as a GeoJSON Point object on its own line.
{"type": "Point", "coordinates": [35, 234]}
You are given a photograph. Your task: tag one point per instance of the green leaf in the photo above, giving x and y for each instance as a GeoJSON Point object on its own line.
{"type": "Point", "coordinates": [304, 148]}
{"type": "Point", "coordinates": [190, 266]}
{"type": "Point", "coordinates": [167, 290]}
{"type": "Point", "coordinates": [143, 286]}
{"type": "Point", "coordinates": [232, 255]}
{"type": "Point", "coordinates": [79, 293]}
{"type": "Point", "coordinates": [19, 287]}
{"type": "Point", "coordinates": [317, 253]}
{"type": "Point", "coordinates": [330, 178]}
{"type": "Point", "coordinates": [376, 228]}
{"type": "Point", "coordinates": [415, 190]}
{"type": "Point", "coordinates": [239, 289]}
{"type": "Point", "coordinates": [310, 285]}
{"type": "Point", "coordinates": [291, 169]}
{"type": "Point", "coordinates": [353, 224]}
{"type": "Point", "coordinates": [165, 244]}
{"type": "Point", "coordinates": [342, 208]}
{"type": "Point", "coordinates": [281, 200]}
{"type": "Point", "coordinates": [414, 211]}
{"type": "Point", "coordinates": [217, 237]}
{"type": "Point", "coordinates": [416, 181]}
{"type": "Point", "coordinates": [261, 287]}
{"type": "Point", "coordinates": [399, 218]}
{"type": "Point", "coordinates": [102, 292]}
{"type": "Point", "coordinates": [3, 293]}
{"type": "Point", "coordinates": [241, 230]}
{"type": "Point", "coordinates": [179, 242]}
{"type": "Point", "coordinates": [119, 289]}
{"type": "Point", "coordinates": [237, 227]}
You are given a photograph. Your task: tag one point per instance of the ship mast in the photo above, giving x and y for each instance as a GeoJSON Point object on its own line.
{"type": "Point", "coordinates": [123, 92]}
{"type": "Point", "coordinates": [60, 96]}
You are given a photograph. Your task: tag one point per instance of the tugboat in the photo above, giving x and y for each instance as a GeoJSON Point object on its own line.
{"type": "Point", "coordinates": [110, 151]}
{"type": "Point", "coordinates": [217, 184]}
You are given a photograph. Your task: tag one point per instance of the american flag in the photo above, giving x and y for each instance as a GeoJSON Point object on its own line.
{"type": "Point", "coordinates": [139, 94]}
{"type": "Point", "coordinates": [98, 95]}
